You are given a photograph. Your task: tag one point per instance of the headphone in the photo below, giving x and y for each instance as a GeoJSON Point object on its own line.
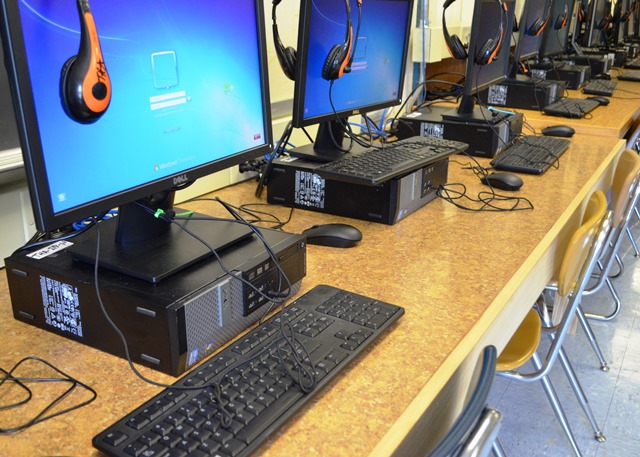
{"type": "Point", "coordinates": [489, 49]}
{"type": "Point", "coordinates": [540, 23]}
{"type": "Point", "coordinates": [286, 55]}
{"type": "Point", "coordinates": [604, 22]}
{"type": "Point", "coordinates": [562, 19]}
{"type": "Point", "coordinates": [338, 61]}
{"type": "Point", "coordinates": [85, 87]}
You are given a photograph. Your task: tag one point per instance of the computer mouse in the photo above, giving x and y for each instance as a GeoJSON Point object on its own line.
{"type": "Point", "coordinates": [602, 76]}
{"type": "Point", "coordinates": [503, 181]}
{"type": "Point", "coordinates": [558, 130]}
{"type": "Point", "coordinates": [333, 235]}
{"type": "Point", "coordinates": [600, 99]}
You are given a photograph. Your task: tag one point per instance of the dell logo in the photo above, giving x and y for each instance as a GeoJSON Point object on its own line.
{"type": "Point", "coordinates": [180, 179]}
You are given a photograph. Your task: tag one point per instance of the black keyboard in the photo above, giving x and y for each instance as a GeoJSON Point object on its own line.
{"type": "Point", "coordinates": [633, 75]}
{"type": "Point", "coordinates": [378, 164]}
{"type": "Point", "coordinates": [531, 154]}
{"type": "Point", "coordinates": [600, 87]}
{"type": "Point", "coordinates": [574, 108]}
{"type": "Point", "coordinates": [259, 378]}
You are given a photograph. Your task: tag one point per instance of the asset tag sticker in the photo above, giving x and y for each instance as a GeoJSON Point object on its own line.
{"type": "Point", "coordinates": [309, 190]}
{"type": "Point", "coordinates": [61, 306]}
{"type": "Point", "coordinates": [49, 250]}
{"type": "Point", "coordinates": [432, 130]}
{"type": "Point", "coordinates": [498, 95]}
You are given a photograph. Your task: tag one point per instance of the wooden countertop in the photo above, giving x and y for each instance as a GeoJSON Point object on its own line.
{"type": "Point", "coordinates": [458, 274]}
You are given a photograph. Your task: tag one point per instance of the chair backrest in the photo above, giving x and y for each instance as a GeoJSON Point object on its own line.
{"type": "Point", "coordinates": [625, 192]}
{"type": "Point", "coordinates": [583, 251]}
{"type": "Point", "coordinates": [575, 256]}
{"type": "Point", "coordinates": [475, 430]}
{"type": "Point", "coordinates": [625, 185]}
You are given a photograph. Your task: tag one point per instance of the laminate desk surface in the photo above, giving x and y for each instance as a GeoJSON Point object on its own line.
{"type": "Point", "coordinates": [460, 276]}
{"type": "Point", "coordinates": [612, 120]}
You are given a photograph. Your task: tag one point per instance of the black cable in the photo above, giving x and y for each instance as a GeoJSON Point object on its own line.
{"type": "Point", "coordinates": [46, 413]}
{"type": "Point", "coordinates": [280, 147]}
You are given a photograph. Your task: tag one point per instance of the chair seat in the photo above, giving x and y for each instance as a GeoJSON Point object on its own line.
{"type": "Point", "coordinates": [522, 344]}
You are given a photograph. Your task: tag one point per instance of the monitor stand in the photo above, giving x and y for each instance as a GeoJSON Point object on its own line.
{"type": "Point", "coordinates": [468, 112]}
{"type": "Point", "coordinates": [137, 244]}
{"type": "Point", "coordinates": [328, 145]}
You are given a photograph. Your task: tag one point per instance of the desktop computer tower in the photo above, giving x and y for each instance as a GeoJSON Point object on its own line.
{"type": "Point", "coordinates": [484, 140]}
{"type": "Point", "coordinates": [169, 326]}
{"type": "Point", "coordinates": [575, 76]}
{"type": "Point", "coordinates": [522, 93]}
{"type": "Point", "coordinates": [599, 64]}
{"type": "Point", "coordinates": [293, 182]}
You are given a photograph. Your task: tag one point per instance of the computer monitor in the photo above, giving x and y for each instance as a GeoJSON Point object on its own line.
{"type": "Point", "coordinates": [120, 103]}
{"type": "Point", "coordinates": [619, 19]}
{"type": "Point", "coordinates": [377, 56]}
{"type": "Point", "coordinates": [599, 19]}
{"type": "Point", "coordinates": [488, 57]}
{"type": "Point", "coordinates": [632, 22]}
{"type": "Point", "coordinates": [556, 35]}
{"type": "Point", "coordinates": [534, 19]}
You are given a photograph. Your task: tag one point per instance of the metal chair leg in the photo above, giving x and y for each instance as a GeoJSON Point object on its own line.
{"type": "Point", "coordinates": [633, 241]}
{"type": "Point", "coordinates": [556, 406]}
{"type": "Point", "coordinates": [616, 305]}
{"type": "Point", "coordinates": [580, 314]}
{"type": "Point", "coordinates": [582, 399]}
{"type": "Point", "coordinates": [497, 449]}
{"type": "Point", "coordinates": [620, 268]}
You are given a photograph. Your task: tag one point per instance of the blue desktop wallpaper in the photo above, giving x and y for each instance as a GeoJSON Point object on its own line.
{"type": "Point", "coordinates": [186, 91]}
{"type": "Point", "coordinates": [378, 62]}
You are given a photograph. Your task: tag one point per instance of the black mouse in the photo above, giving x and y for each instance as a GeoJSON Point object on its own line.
{"type": "Point", "coordinates": [602, 76]}
{"type": "Point", "coordinates": [333, 235]}
{"type": "Point", "coordinates": [558, 130]}
{"type": "Point", "coordinates": [503, 181]}
{"type": "Point", "coordinates": [604, 101]}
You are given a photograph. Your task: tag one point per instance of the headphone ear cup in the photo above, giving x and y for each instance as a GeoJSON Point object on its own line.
{"type": "Point", "coordinates": [335, 58]}
{"type": "Point", "coordinates": [484, 54]}
{"type": "Point", "coordinates": [66, 98]}
{"type": "Point", "coordinates": [287, 59]}
{"type": "Point", "coordinates": [536, 27]}
{"type": "Point", "coordinates": [458, 51]}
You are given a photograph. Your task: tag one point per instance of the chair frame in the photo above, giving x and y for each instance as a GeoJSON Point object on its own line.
{"type": "Point", "coordinates": [558, 333]}
{"type": "Point", "coordinates": [475, 431]}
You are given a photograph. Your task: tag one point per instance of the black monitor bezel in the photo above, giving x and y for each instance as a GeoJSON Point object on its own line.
{"type": "Point", "coordinates": [24, 105]}
{"type": "Point", "coordinates": [299, 120]}
{"type": "Point", "coordinates": [593, 18]}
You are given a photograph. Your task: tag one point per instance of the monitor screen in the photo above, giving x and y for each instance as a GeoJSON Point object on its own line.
{"type": "Point", "coordinates": [377, 58]}
{"type": "Point", "coordinates": [172, 91]}
{"type": "Point", "coordinates": [556, 35]}
{"type": "Point", "coordinates": [534, 19]}
{"type": "Point", "coordinates": [488, 59]}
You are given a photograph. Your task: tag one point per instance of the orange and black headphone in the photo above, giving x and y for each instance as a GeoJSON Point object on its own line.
{"type": "Point", "coordinates": [338, 61]}
{"type": "Point", "coordinates": [562, 19]}
{"type": "Point", "coordinates": [489, 49]}
{"type": "Point", "coordinates": [85, 87]}
{"type": "Point", "coordinates": [540, 23]}
{"type": "Point", "coordinates": [286, 55]}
